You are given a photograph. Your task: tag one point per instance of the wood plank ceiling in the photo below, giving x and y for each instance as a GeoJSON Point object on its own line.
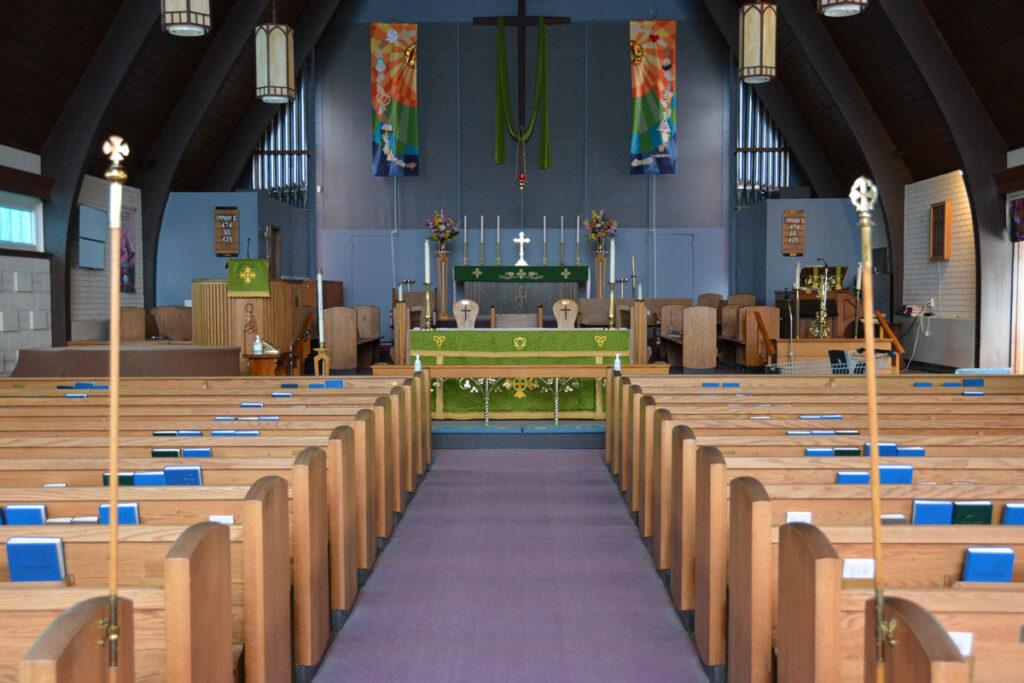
{"type": "Point", "coordinates": [45, 47]}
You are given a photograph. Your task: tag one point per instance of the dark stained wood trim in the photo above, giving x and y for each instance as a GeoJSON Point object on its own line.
{"type": "Point", "coordinates": [65, 153]}
{"type": "Point", "coordinates": [982, 153]}
{"type": "Point", "coordinates": [181, 125]}
{"type": "Point", "coordinates": [783, 111]}
{"type": "Point", "coordinates": [22, 182]}
{"type": "Point", "coordinates": [884, 164]}
{"type": "Point", "coordinates": [236, 153]}
{"type": "Point", "coordinates": [1010, 180]}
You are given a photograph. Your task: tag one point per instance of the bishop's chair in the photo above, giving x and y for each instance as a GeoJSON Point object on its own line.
{"type": "Point", "coordinates": [465, 312]}
{"type": "Point", "coordinates": [566, 311]}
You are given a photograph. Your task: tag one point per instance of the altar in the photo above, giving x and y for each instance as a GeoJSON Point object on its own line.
{"type": "Point", "coordinates": [520, 397]}
{"type": "Point", "coordinates": [520, 289]}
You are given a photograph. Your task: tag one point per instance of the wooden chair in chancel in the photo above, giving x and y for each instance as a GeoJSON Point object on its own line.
{"type": "Point", "coordinates": [743, 299]}
{"type": "Point", "coordinates": [517, 320]}
{"type": "Point", "coordinates": [712, 300]}
{"type": "Point", "coordinates": [566, 311]}
{"type": "Point", "coordinates": [133, 324]}
{"type": "Point", "coordinates": [465, 312]}
{"type": "Point", "coordinates": [593, 312]}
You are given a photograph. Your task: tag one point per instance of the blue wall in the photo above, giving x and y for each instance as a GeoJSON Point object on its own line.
{"type": "Point", "coordinates": [369, 230]}
{"type": "Point", "coordinates": [185, 251]}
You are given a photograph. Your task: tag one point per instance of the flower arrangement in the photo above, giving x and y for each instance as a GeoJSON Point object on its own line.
{"type": "Point", "coordinates": [600, 227]}
{"type": "Point", "coordinates": [442, 227]}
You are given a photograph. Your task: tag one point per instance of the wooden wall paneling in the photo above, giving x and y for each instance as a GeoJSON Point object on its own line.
{"type": "Point", "coordinates": [210, 314]}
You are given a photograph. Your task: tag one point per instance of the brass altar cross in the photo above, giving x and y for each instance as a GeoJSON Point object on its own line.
{"type": "Point", "coordinates": [522, 241]}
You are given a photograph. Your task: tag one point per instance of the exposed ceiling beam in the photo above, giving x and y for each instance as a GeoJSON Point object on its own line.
{"type": "Point", "coordinates": [783, 111]}
{"type": "Point", "coordinates": [238, 150]}
{"type": "Point", "coordinates": [889, 171]}
{"type": "Point", "coordinates": [68, 146]}
{"type": "Point", "coordinates": [181, 125]}
{"type": "Point", "coordinates": [22, 182]}
{"type": "Point", "coordinates": [982, 153]}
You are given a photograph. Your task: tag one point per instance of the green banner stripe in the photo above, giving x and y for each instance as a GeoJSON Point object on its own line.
{"type": "Point", "coordinates": [521, 274]}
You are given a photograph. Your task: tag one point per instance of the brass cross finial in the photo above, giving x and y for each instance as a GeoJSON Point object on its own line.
{"type": "Point", "coordinates": [115, 148]}
{"type": "Point", "coordinates": [863, 195]}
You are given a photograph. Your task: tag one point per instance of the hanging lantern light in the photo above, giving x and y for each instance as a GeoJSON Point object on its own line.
{"type": "Point", "coordinates": [275, 63]}
{"type": "Point", "coordinates": [841, 8]}
{"type": "Point", "coordinates": [757, 42]}
{"type": "Point", "coordinates": [188, 18]}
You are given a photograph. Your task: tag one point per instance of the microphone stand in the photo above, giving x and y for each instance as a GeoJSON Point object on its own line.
{"type": "Point", "coordinates": [789, 301]}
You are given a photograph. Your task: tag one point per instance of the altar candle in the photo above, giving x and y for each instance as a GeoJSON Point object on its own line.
{"type": "Point", "coordinates": [611, 265]}
{"type": "Point", "coordinates": [577, 228]}
{"type": "Point", "coordinates": [860, 273]}
{"type": "Point", "coordinates": [796, 278]}
{"type": "Point", "coordinates": [426, 263]}
{"type": "Point", "coordinates": [481, 228]}
{"type": "Point", "coordinates": [639, 290]}
{"type": "Point", "coordinates": [544, 232]}
{"type": "Point", "coordinates": [465, 233]}
{"type": "Point", "coordinates": [320, 303]}
{"type": "Point", "coordinates": [561, 232]}
{"type": "Point", "coordinates": [399, 291]}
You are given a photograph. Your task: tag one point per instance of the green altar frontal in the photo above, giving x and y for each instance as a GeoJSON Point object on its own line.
{"type": "Point", "coordinates": [525, 397]}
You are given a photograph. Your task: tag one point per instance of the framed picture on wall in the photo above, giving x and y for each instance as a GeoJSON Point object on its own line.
{"type": "Point", "coordinates": [1015, 210]}
{"type": "Point", "coordinates": [940, 231]}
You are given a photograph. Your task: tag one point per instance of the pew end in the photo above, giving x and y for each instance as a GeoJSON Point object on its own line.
{"type": "Point", "coordinates": [74, 647]}
{"type": "Point", "coordinates": [921, 651]}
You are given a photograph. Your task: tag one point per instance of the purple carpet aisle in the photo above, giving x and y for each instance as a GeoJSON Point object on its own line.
{"type": "Point", "coordinates": [514, 565]}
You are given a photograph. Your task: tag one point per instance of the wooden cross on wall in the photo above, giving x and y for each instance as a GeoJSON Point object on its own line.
{"type": "Point", "coordinates": [521, 20]}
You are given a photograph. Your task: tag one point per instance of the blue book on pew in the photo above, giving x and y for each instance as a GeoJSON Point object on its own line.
{"type": "Point", "coordinates": [731, 385]}
{"type": "Point", "coordinates": [183, 475]}
{"type": "Point", "coordinates": [334, 384]}
{"type": "Point", "coordinates": [280, 394]}
{"type": "Point", "coordinates": [318, 386]}
{"type": "Point", "coordinates": [1013, 513]}
{"type": "Point", "coordinates": [149, 478]}
{"type": "Point", "coordinates": [922, 384]}
{"type": "Point", "coordinates": [188, 432]}
{"type": "Point", "coordinates": [895, 474]}
{"type": "Point", "coordinates": [29, 513]}
{"type": "Point", "coordinates": [818, 451]}
{"type": "Point", "coordinates": [127, 513]}
{"type": "Point", "coordinates": [974, 382]}
{"type": "Point", "coordinates": [798, 432]}
{"type": "Point", "coordinates": [270, 417]}
{"type": "Point", "coordinates": [708, 385]}
{"type": "Point", "coordinates": [932, 512]}
{"type": "Point", "coordinates": [885, 448]}
{"type": "Point", "coordinates": [974, 393]}
{"type": "Point", "coordinates": [222, 432]}
{"type": "Point", "coordinates": [912, 451]}
{"type": "Point", "coordinates": [35, 558]}
{"type": "Point", "coordinates": [823, 432]}
{"type": "Point", "coordinates": [853, 477]}
{"type": "Point", "coordinates": [247, 432]}
{"type": "Point", "coordinates": [250, 404]}
{"type": "Point", "coordinates": [75, 395]}
{"type": "Point", "coordinates": [224, 418]}
{"type": "Point", "coordinates": [952, 384]}
{"type": "Point", "coordinates": [84, 385]}
{"type": "Point", "coordinates": [194, 453]}
{"type": "Point", "coordinates": [289, 385]}
{"type": "Point", "coordinates": [988, 564]}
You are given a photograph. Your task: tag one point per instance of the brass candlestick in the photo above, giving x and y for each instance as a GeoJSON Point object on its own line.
{"type": "Point", "coordinates": [427, 317]}
{"type": "Point", "coordinates": [622, 286]}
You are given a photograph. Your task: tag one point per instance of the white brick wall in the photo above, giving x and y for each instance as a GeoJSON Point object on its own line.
{"type": "Point", "coordinates": [952, 282]}
{"type": "Point", "coordinates": [24, 307]}
{"type": "Point", "coordinates": [90, 291]}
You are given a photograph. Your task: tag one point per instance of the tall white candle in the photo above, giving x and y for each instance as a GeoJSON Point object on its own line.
{"type": "Point", "coordinates": [860, 273]}
{"type": "Point", "coordinates": [399, 291]}
{"type": "Point", "coordinates": [796, 277]}
{"type": "Point", "coordinates": [426, 262]}
{"type": "Point", "coordinates": [611, 265]}
{"type": "Point", "coordinates": [561, 232]}
{"type": "Point", "coordinates": [465, 233]}
{"type": "Point", "coordinates": [320, 303]}
{"type": "Point", "coordinates": [577, 228]}
{"type": "Point", "coordinates": [481, 228]}
{"type": "Point", "coordinates": [544, 232]}
{"type": "Point", "coordinates": [498, 230]}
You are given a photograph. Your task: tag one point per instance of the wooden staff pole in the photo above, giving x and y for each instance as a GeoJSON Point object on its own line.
{"type": "Point", "coordinates": [864, 194]}
{"type": "Point", "coordinates": [116, 150]}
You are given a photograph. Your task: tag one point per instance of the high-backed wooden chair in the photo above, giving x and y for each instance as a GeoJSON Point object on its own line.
{"type": "Point", "coordinates": [593, 312]}
{"type": "Point", "coordinates": [514, 320]}
{"type": "Point", "coordinates": [712, 300]}
{"type": "Point", "coordinates": [416, 304]}
{"type": "Point", "coordinates": [566, 311]}
{"type": "Point", "coordinates": [341, 337]}
{"type": "Point", "coordinates": [465, 312]}
{"type": "Point", "coordinates": [173, 322]}
{"type": "Point", "coordinates": [743, 299]}
{"type": "Point", "coordinates": [133, 324]}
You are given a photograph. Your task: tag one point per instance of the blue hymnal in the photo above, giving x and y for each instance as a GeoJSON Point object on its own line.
{"type": "Point", "coordinates": [853, 477]}
{"type": "Point", "coordinates": [818, 451]}
{"type": "Point", "coordinates": [189, 432]}
{"type": "Point", "coordinates": [823, 432]}
{"type": "Point", "coordinates": [155, 478]}
{"type": "Point", "coordinates": [895, 474]}
{"type": "Point", "coordinates": [831, 417]}
{"type": "Point", "coordinates": [183, 475]}
{"type": "Point", "coordinates": [988, 564]}
{"type": "Point", "coordinates": [922, 384]}
{"type": "Point", "coordinates": [222, 432]}
{"type": "Point", "coordinates": [35, 558]}
{"type": "Point", "coordinates": [798, 432]}
{"type": "Point", "coordinates": [194, 453]}
{"type": "Point", "coordinates": [318, 386]}
{"type": "Point", "coordinates": [247, 432]}
{"type": "Point", "coordinates": [932, 512]}
{"type": "Point", "coordinates": [251, 404]}
{"type": "Point", "coordinates": [1013, 513]}
{"type": "Point", "coordinates": [708, 385]}
{"type": "Point", "coordinates": [85, 385]}
{"type": "Point", "coordinates": [224, 418]}
{"type": "Point", "coordinates": [731, 385]}
{"type": "Point", "coordinates": [974, 393]}
{"type": "Point", "coordinates": [270, 417]}
{"type": "Point", "coordinates": [974, 382]}
{"type": "Point", "coordinates": [280, 394]}
{"type": "Point", "coordinates": [75, 396]}
{"type": "Point", "coordinates": [334, 384]}
{"type": "Point", "coordinates": [885, 448]}
{"type": "Point", "coordinates": [916, 451]}
{"type": "Point", "coordinates": [127, 513]}
{"type": "Point", "coordinates": [951, 384]}
{"type": "Point", "coordinates": [32, 513]}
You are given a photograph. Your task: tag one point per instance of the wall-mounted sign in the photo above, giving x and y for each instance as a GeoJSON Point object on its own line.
{"type": "Point", "coordinates": [225, 231]}
{"type": "Point", "coordinates": [794, 232]}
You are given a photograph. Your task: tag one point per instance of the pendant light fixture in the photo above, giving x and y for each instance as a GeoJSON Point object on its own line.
{"type": "Point", "coordinates": [187, 18]}
{"type": "Point", "coordinates": [275, 61]}
{"type": "Point", "coordinates": [757, 42]}
{"type": "Point", "coordinates": [841, 8]}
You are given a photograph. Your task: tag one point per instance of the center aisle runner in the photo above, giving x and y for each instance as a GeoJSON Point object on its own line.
{"type": "Point", "coordinates": [514, 565]}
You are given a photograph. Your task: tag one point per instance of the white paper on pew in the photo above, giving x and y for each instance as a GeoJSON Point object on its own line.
{"type": "Point", "coordinates": [964, 641]}
{"type": "Point", "coordinates": [798, 516]}
{"type": "Point", "coordinates": [222, 519]}
{"type": "Point", "coordinates": [858, 568]}
{"type": "Point", "coordinates": [760, 417]}
{"type": "Point", "coordinates": [55, 485]}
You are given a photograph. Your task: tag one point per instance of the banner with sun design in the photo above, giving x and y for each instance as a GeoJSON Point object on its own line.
{"type": "Point", "coordinates": [396, 147]}
{"type": "Point", "coordinates": [652, 56]}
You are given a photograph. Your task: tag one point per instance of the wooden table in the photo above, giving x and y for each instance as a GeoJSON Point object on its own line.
{"type": "Point", "coordinates": [262, 364]}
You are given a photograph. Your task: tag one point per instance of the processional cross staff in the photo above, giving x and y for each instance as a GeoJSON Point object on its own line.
{"type": "Point", "coordinates": [520, 20]}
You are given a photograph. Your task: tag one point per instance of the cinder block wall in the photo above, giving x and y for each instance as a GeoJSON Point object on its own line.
{"type": "Point", "coordinates": [24, 307]}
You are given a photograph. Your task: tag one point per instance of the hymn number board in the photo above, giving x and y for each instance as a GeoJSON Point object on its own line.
{"type": "Point", "coordinates": [225, 231]}
{"type": "Point", "coordinates": [794, 232]}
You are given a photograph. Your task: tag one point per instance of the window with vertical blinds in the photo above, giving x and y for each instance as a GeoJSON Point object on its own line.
{"type": "Point", "coordinates": [762, 156]}
{"type": "Point", "coordinates": [280, 164]}
{"type": "Point", "coordinates": [20, 221]}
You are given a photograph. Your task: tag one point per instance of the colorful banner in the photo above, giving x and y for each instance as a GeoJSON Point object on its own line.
{"type": "Point", "coordinates": [128, 252]}
{"type": "Point", "coordinates": [249, 277]}
{"type": "Point", "coordinates": [652, 55]}
{"type": "Point", "coordinates": [396, 146]}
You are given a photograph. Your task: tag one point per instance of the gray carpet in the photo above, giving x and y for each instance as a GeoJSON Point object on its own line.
{"type": "Point", "coordinates": [514, 565]}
